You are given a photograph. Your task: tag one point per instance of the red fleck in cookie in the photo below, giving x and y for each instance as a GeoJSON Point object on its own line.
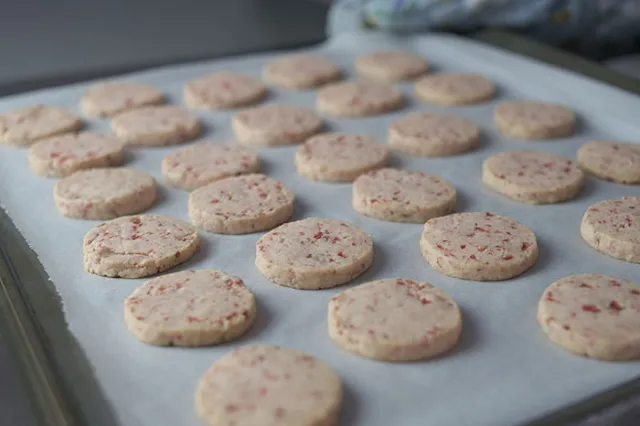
{"type": "Point", "coordinates": [535, 120]}
{"type": "Point", "coordinates": [358, 99]}
{"type": "Point", "coordinates": [615, 161]}
{"type": "Point", "coordinates": [22, 127]}
{"type": "Point", "coordinates": [313, 254]}
{"type": "Point", "coordinates": [340, 157]}
{"type": "Point", "coordinates": [395, 320]}
{"type": "Point", "coordinates": [301, 71]}
{"type": "Point", "coordinates": [593, 315]}
{"type": "Point", "coordinates": [241, 205]}
{"type": "Point", "coordinates": [478, 246]}
{"type": "Point", "coordinates": [269, 386]}
{"type": "Point", "coordinates": [275, 125]}
{"type": "Point", "coordinates": [139, 246]}
{"type": "Point", "coordinates": [533, 177]}
{"type": "Point", "coordinates": [156, 126]}
{"type": "Point", "coordinates": [197, 165]}
{"type": "Point", "coordinates": [222, 90]}
{"type": "Point", "coordinates": [400, 195]}
{"type": "Point", "coordinates": [113, 97]}
{"type": "Point", "coordinates": [431, 134]}
{"type": "Point", "coordinates": [613, 227]}
{"type": "Point", "coordinates": [190, 308]}
{"type": "Point", "coordinates": [391, 66]}
{"type": "Point", "coordinates": [454, 89]}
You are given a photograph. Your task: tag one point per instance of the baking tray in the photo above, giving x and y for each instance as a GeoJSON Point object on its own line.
{"type": "Point", "coordinates": [60, 379]}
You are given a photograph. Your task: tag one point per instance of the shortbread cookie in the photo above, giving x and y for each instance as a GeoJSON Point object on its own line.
{"type": "Point", "coordinates": [403, 195]}
{"type": "Point", "coordinates": [535, 120]}
{"type": "Point", "coordinates": [156, 126]}
{"type": "Point", "coordinates": [275, 125]}
{"type": "Point", "coordinates": [301, 71]}
{"type": "Point", "coordinates": [615, 161]}
{"type": "Point", "coordinates": [391, 65]}
{"type": "Point", "coordinates": [102, 194]}
{"type": "Point", "coordinates": [358, 99]}
{"type": "Point", "coordinates": [139, 246]}
{"type": "Point", "coordinates": [62, 155]}
{"type": "Point", "coordinates": [432, 134]}
{"type": "Point", "coordinates": [395, 320]}
{"type": "Point", "coordinates": [223, 90]}
{"type": "Point", "coordinates": [113, 97]}
{"type": "Point", "coordinates": [533, 177]}
{"type": "Point", "coordinates": [593, 315]}
{"type": "Point", "coordinates": [197, 165]}
{"type": "Point", "coordinates": [22, 127]}
{"type": "Point", "coordinates": [313, 254]}
{"type": "Point", "coordinates": [269, 386]}
{"type": "Point", "coordinates": [340, 157]}
{"type": "Point", "coordinates": [454, 88]}
{"type": "Point", "coordinates": [478, 246]}
{"type": "Point", "coordinates": [241, 205]}
{"type": "Point", "coordinates": [613, 227]}
{"type": "Point", "coordinates": [190, 308]}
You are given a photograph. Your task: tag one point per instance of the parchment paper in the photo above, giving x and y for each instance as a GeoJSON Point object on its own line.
{"type": "Point", "coordinates": [503, 372]}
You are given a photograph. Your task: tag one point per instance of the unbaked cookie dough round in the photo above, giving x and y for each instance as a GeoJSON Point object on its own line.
{"type": "Point", "coordinates": [454, 89]}
{"type": "Point", "coordinates": [358, 99]}
{"type": "Point", "coordinates": [301, 71]}
{"type": "Point", "coordinates": [391, 65]}
{"type": "Point", "coordinates": [24, 126]}
{"type": "Point", "coordinates": [615, 161]}
{"type": "Point", "coordinates": [156, 126]}
{"type": "Point", "coordinates": [222, 90]}
{"type": "Point", "coordinates": [113, 97]}
{"type": "Point", "coordinates": [535, 120]}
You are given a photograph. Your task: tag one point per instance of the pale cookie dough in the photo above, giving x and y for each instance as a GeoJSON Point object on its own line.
{"type": "Point", "coordinates": [400, 195]}
{"type": "Point", "coordinates": [340, 157]}
{"type": "Point", "coordinates": [102, 194]}
{"type": "Point", "coordinates": [313, 254]}
{"type": "Point", "coordinates": [113, 97]}
{"type": "Point", "coordinates": [139, 246]}
{"type": "Point", "coordinates": [301, 71]}
{"type": "Point", "coordinates": [63, 155]}
{"type": "Point", "coordinates": [222, 90]}
{"type": "Point", "coordinates": [358, 99]}
{"type": "Point", "coordinates": [454, 89]}
{"type": "Point", "coordinates": [269, 386]}
{"type": "Point", "coordinates": [533, 177]}
{"type": "Point", "coordinates": [197, 165]}
{"type": "Point", "coordinates": [241, 205]}
{"type": "Point", "coordinates": [156, 126]}
{"type": "Point", "coordinates": [613, 227]}
{"type": "Point", "coordinates": [478, 246]}
{"type": "Point", "coordinates": [535, 120]}
{"type": "Point", "coordinates": [275, 125]}
{"type": "Point", "coordinates": [391, 66]}
{"type": "Point", "coordinates": [593, 315]}
{"type": "Point", "coordinates": [395, 320]}
{"type": "Point", "coordinates": [432, 134]}
{"type": "Point", "coordinates": [22, 127]}
{"type": "Point", "coordinates": [615, 161]}
{"type": "Point", "coordinates": [190, 308]}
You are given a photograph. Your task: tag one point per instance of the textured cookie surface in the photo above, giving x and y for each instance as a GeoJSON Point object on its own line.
{"type": "Point", "coordinates": [391, 65]}
{"type": "Point", "coordinates": [454, 89]}
{"type": "Point", "coordinates": [301, 71]}
{"type": "Point", "coordinates": [615, 161]}
{"type": "Point", "coordinates": [22, 127]}
{"type": "Point", "coordinates": [358, 98]}
{"type": "Point", "coordinates": [222, 90]}
{"type": "Point", "coordinates": [535, 120]}
{"type": "Point", "coordinates": [156, 126]}
{"type": "Point", "coordinates": [113, 97]}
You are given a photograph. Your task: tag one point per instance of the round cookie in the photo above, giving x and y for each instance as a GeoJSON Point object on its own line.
{"type": "Point", "coordinates": [269, 386]}
{"type": "Point", "coordinates": [139, 246]}
{"type": "Point", "coordinates": [432, 134]}
{"type": "Point", "coordinates": [102, 194]}
{"type": "Point", "coordinates": [535, 120]}
{"type": "Point", "coordinates": [400, 195]}
{"type": "Point", "coordinates": [454, 89]}
{"type": "Point", "coordinates": [275, 125]}
{"type": "Point", "coordinates": [391, 66]}
{"type": "Point", "coordinates": [190, 308]}
{"type": "Point", "coordinates": [301, 71]}
{"type": "Point", "coordinates": [395, 320]}
{"type": "Point", "coordinates": [241, 205]}
{"type": "Point", "coordinates": [63, 155]}
{"type": "Point", "coordinates": [156, 126]}
{"type": "Point", "coordinates": [593, 315]}
{"type": "Point", "coordinates": [478, 246]}
{"type": "Point", "coordinates": [222, 90]}
{"type": "Point", "coordinates": [197, 165]}
{"type": "Point", "coordinates": [340, 157]}
{"type": "Point", "coordinates": [615, 161]}
{"type": "Point", "coordinates": [533, 177]}
{"type": "Point", "coordinates": [24, 126]}
{"type": "Point", "coordinates": [358, 99]}
{"type": "Point", "coordinates": [313, 254]}
{"type": "Point", "coordinates": [113, 97]}
{"type": "Point", "coordinates": [613, 227]}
